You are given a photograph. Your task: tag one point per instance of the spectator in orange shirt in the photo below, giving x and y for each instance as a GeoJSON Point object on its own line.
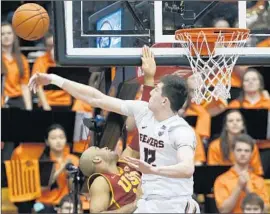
{"type": "Point", "coordinates": [57, 151]}
{"type": "Point", "coordinates": [50, 99]}
{"type": "Point", "coordinates": [220, 150]}
{"type": "Point", "coordinates": [15, 69]}
{"type": "Point", "coordinates": [253, 95]}
{"type": "Point", "coordinates": [252, 203]}
{"type": "Point", "coordinates": [231, 187]}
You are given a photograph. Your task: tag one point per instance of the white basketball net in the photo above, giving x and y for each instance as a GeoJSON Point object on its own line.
{"type": "Point", "coordinates": [212, 76]}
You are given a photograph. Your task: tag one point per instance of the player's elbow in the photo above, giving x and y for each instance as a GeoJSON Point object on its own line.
{"type": "Point", "coordinates": [189, 171]}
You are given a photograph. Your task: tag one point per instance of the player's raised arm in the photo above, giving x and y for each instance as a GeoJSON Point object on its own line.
{"type": "Point", "coordinates": [86, 93]}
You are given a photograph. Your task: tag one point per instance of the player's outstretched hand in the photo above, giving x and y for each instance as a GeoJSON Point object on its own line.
{"type": "Point", "coordinates": [140, 165]}
{"type": "Point", "coordinates": [148, 62]}
{"type": "Point", "coordinates": [39, 79]}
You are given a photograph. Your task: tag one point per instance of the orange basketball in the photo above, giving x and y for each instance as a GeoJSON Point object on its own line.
{"type": "Point", "coordinates": [30, 21]}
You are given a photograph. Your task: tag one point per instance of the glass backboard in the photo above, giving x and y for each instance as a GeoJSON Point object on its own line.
{"type": "Point", "coordinates": [111, 33]}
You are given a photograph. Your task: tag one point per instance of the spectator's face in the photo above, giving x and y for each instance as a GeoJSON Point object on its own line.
{"type": "Point", "coordinates": [7, 36]}
{"type": "Point", "coordinates": [250, 208]}
{"type": "Point", "coordinates": [67, 207]}
{"type": "Point", "coordinates": [242, 153]}
{"type": "Point", "coordinates": [251, 82]}
{"type": "Point", "coordinates": [234, 123]}
{"type": "Point", "coordinates": [57, 140]}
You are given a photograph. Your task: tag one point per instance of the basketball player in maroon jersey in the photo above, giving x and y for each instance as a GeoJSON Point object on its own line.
{"type": "Point", "coordinates": [112, 184]}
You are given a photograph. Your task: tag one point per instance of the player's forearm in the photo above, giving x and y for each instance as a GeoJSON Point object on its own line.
{"type": "Point", "coordinates": [129, 208]}
{"type": "Point", "coordinates": [77, 90]}
{"type": "Point", "coordinates": [27, 97]}
{"type": "Point", "coordinates": [149, 80]}
{"type": "Point", "coordinates": [229, 204]}
{"type": "Point", "coordinates": [180, 170]}
{"type": "Point", "coordinates": [89, 95]}
{"type": "Point", "coordinates": [42, 97]}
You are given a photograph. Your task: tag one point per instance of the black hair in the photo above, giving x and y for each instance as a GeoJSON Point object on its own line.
{"type": "Point", "coordinates": [245, 139]}
{"type": "Point", "coordinates": [175, 89]}
{"type": "Point", "coordinates": [252, 199]}
{"type": "Point", "coordinates": [46, 154]}
{"type": "Point", "coordinates": [224, 144]}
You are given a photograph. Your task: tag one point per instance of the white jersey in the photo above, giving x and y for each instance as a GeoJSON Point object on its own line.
{"type": "Point", "coordinates": [158, 147]}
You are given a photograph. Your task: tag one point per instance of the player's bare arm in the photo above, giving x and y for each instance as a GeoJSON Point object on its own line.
{"type": "Point", "coordinates": [99, 195]}
{"type": "Point", "coordinates": [149, 69]}
{"type": "Point", "coordinates": [148, 66]}
{"type": "Point", "coordinates": [83, 92]}
{"type": "Point", "coordinates": [100, 198]}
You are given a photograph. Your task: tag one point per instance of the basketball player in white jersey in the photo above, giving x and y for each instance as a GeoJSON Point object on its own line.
{"type": "Point", "coordinates": [167, 142]}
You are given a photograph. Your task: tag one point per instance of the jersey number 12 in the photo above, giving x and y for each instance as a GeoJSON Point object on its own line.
{"type": "Point", "coordinates": [149, 155]}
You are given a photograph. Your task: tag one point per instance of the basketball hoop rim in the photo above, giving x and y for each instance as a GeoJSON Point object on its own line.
{"type": "Point", "coordinates": [199, 43]}
{"type": "Point", "coordinates": [212, 34]}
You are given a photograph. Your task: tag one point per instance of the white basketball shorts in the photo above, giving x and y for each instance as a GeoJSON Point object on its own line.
{"type": "Point", "coordinates": [174, 205]}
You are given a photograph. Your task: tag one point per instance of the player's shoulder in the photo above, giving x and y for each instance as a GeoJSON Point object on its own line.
{"type": "Point", "coordinates": [98, 182]}
{"type": "Point", "coordinates": [142, 104]}
{"type": "Point", "coordinates": [143, 108]}
{"type": "Point", "coordinates": [138, 102]}
{"type": "Point", "coordinates": [179, 125]}
{"type": "Point", "coordinates": [178, 121]}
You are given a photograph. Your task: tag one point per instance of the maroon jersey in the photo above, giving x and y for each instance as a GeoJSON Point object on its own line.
{"type": "Point", "coordinates": [123, 186]}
